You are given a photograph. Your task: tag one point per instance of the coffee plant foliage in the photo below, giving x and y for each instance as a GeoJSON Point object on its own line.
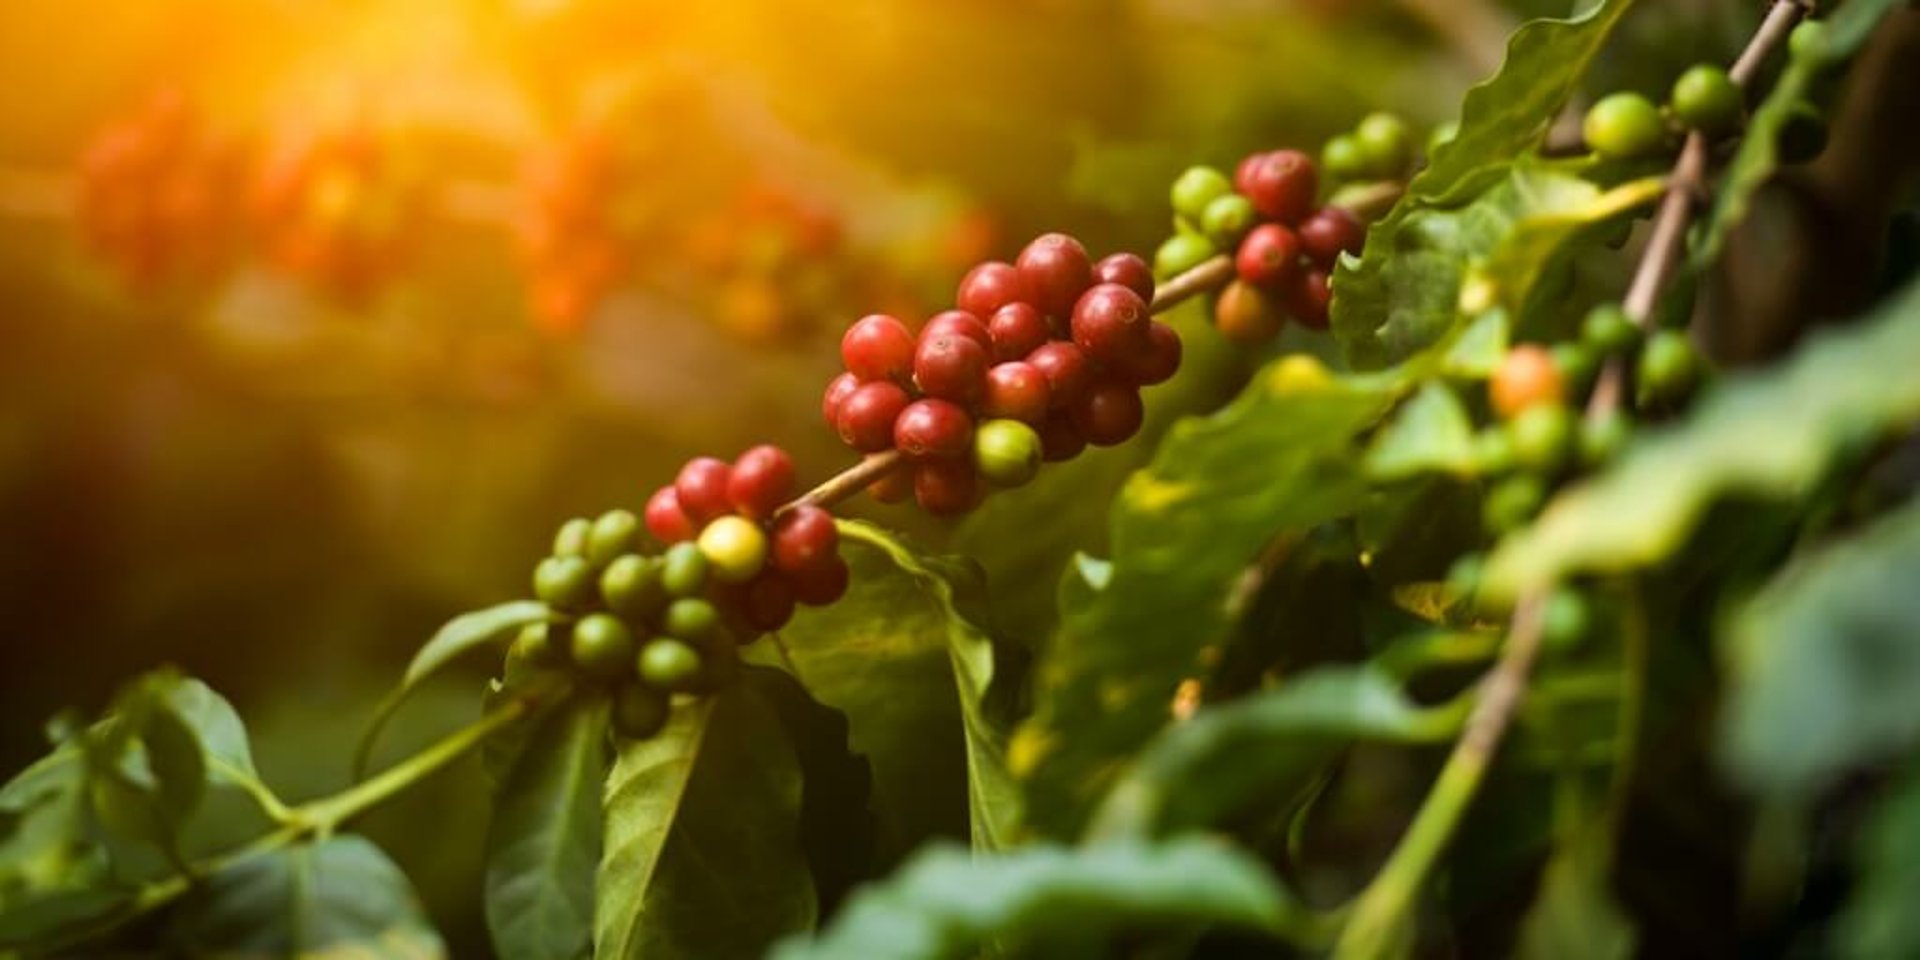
{"type": "Point", "coordinates": [1153, 724]}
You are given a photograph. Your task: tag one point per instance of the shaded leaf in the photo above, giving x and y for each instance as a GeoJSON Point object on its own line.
{"type": "Point", "coordinates": [837, 827]}
{"type": "Point", "coordinates": [543, 845]}
{"type": "Point", "coordinates": [1575, 917]}
{"type": "Point", "coordinates": [1878, 919]}
{"type": "Point", "coordinates": [1430, 432]}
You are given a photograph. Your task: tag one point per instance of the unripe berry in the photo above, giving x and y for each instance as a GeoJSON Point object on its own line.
{"type": "Point", "coordinates": [1624, 126]}
{"type": "Point", "coordinates": [1282, 185]}
{"type": "Point", "coordinates": [1309, 298]}
{"type": "Point", "coordinates": [836, 394]}
{"type": "Point", "coordinates": [695, 620]}
{"type": "Point", "coordinates": [1512, 502]}
{"type": "Point", "coordinates": [951, 366]}
{"type": "Point", "coordinates": [1608, 329]}
{"type": "Point", "coordinates": [878, 347]}
{"type": "Point", "coordinates": [1127, 270]}
{"type": "Point", "coordinates": [702, 489]}
{"type": "Point", "coordinates": [1706, 99]}
{"type": "Point", "coordinates": [988, 287]}
{"type": "Point", "coordinates": [614, 533]}
{"type": "Point", "coordinates": [571, 539]}
{"type": "Point", "coordinates": [1228, 218]}
{"type": "Point", "coordinates": [1110, 323]}
{"type": "Point", "coordinates": [1603, 439]}
{"type": "Point", "coordinates": [1196, 187]}
{"type": "Point", "coordinates": [769, 603]}
{"type": "Point", "coordinates": [1244, 314]}
{"type": "Point", "coordinates": [1669, 368]}
{"type": "Point", "coordinates": [823, 583]}
{"type": "Point", "coordinates": [1067, 369]}
{"type": "Point", "coordinates": [631, 587]}
{"type": "Point", "coordinates": [665, 520]}
{"type": "Point", "coordinates": [1057, 271]}
{"type": "Point", "coordinates": [804, 538]}
{"type": "Point", "coordinates": [959, 323]}
{"type": "Point", "coordinates": [735, 549]}
{"type": "Point", "coordinates": [1110, 414]}
{"type": "Point", "coordinates": [667, 663]}
{"type": "Point", "coordinates": [1017, 329]}
{"type": "Point", "coordinates": [1060, 439]}
{"type": "Point", "coordinates": [1543, 437]}
{"type": "Point", "coordinates": [683, 570]}
{"type": "Point", "coordinates": [1808, 39]}
{"type": "Point", "coordinates": [945, 487]}
{"type": "Point", "coordinates": [1577, 363]}
{"type": "Point", "coordinates": [1007, 452]}
{"type": "Point", "coordinates": [1017, 391]}
{"type": "Point", "coordinates": [564, 583]}
{"type": "Point", "coordinates": [1387, 144]}
{"type": "Point", "coordinates": [933, 428]}
{"type": "Point", "coordinates": [538, 645]}
{"type": "Point", "coordinates": [1343, 159]}
{"type": "Point", "coordinates": [602, 646]}
{"type": "Point", "coordinates": [639, 711]}
{"type": "Point", "coordinates": [762, 480]}
{"type": "Point", "coordinates": [1329, 232]}
{"type": "Point", "coordinates": [1564, 620]}
{"type": "Point", "coordinates": [1180, 253]}
{"type": "Point", "coordinates": [867, 415]}
{"type": "Point", "coordinates": [1269, 257]}
{"type": "Point", "coordinates": [1526, 377]}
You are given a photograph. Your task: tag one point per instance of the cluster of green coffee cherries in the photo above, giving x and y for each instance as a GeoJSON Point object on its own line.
{"type": "Point", "coordinates": [1380, 147]}
{"type": "Point", "coordinates": [1704, 100]}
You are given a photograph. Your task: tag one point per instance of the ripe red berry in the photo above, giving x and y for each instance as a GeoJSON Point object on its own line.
{"type": "Point", "coordinates": [837, 390]}
{"type": "Point", "coordinates": [803, 538]}
{"type": "Point", "coordinates": [1329, 232]}
{"type": "Point", "coordinates": [1017, 391]}
{"type": "Point", "coordinates": [1057, 271]}
{"type": "Point", "coordinates": [1109, 414]}
{"type": "Point", "coordinates": [665, 520]}
{"type": "Point", "coordinates": [1155, 364]}
{"type": "Point", "coordinates": [1308, 298]}
{"type": "Point", "coordinates": [762, 480]}
{"type": "Point", "coordinates": [988, 287]}
{"type": "Point", "coordinates": [945, 487]}
{"type": "Point", "coordinates": [1282, 185]}
{"type": "Point", "coordinates": [1244, 314]}
{"type": "Point", "coordinates": [1068, 371]}
{"type": "Point", "coordinates": [1269, 257]}
{"type": "Point", "coordinates": [892, 488]}
{"type": "Point", "coordinates": [878, 347]}
{"type": "Point", "coordinates": [951, 366]}
{"type": "Point", "coordinates": [1060, 439]}
{"type": "Point", "coordinates": [933, 429]}
{"type": "Point", "coordinates": [822, 583]}
{"type": "Point", "coordinates": [702, 489]}
{"type": "Point", "coordinates": [867, 415]}
{"type": "Point", "coordinates": [1243, 174]}
{"type": "Point", "coordinates": [1017, 329]}
{"type": "Point", "coordinates": [1110, 323]}
{"type": "Point", "coordinates": [1127, 270]}
{"type": "Point", "coordinates": [769, 602]}
{"type": "Point", "coordinates": [958, 323]}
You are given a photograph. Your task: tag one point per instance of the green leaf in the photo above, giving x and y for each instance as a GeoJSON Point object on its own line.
{"type": "Point", "coordinates": [837, 826]}
{"type": "Point", "coordinates": [1281, 458]}
{"type": "Point", "coordinates": [217, 726]}
{"type": "Point", "coordinates": [1824, 668]}
{"type": "Point", "coordinates": [1770, 434]}
{"type": "Point", "coordinates": [1575, 915]}
{"type": "Point", "coordinates": [1430, 432]}
{"type": "Point", "coordinates": [337, 896]}
{"type": "Point", "coordinates": [1878, 919]}
{"type": "Point", "coordinates": [1226, 757]}
{"type": "Point", "coordinates": [905, 655]}
{"type": "Point", "coordinates": [464, 633]}
{"type": "Point", "coordinates": [703, 855]}
{"type": "Point", "coordinates": [543, 845]}
{"type": "Point", "coordinates": [948, 903]}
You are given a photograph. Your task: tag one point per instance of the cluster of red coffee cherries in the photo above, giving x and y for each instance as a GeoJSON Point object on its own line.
{"type": "Point", "coordinates": [154, 197]}
{"type": "Point", "coordinates": [568, 242]}
{"type": "Point", "coordinates": [1044, 356]}
{"type": "Point", "coordinates": [334, 209]}
{"type": "Point", "coordinates": [764, 559]}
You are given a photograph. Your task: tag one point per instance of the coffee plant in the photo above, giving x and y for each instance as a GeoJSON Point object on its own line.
{"type": "Point", "coordinates": [1491, 521]}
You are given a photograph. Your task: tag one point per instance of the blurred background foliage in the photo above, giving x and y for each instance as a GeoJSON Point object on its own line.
{"type": "Point", "coordinates": [283, 493]}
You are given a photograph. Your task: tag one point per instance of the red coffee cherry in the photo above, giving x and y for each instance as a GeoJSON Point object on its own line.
{"type": "Point", "coordinates": [1155, 364]}
{"type": "Point", "coordinates": [1060, 439]}
{"type": "Point", "coordinates": [988, 287]}
{"type": "Point", "coordinates": [945, 487]}
{"type": "Point", "coordinates": [822, 583]}
{"type": "Point", "coordinates": [1309, 297]}
{"type": "Point", "coordinates": [1109, 414]}
{"type": "Point", "coordinates": [878, 347]}
{"type": "Point", "coordinates": [1017, 391]}
{"type": "Point", "coordinates": [837, 390]}
{"type": "Point", "coordinates": [762, 480]}
{"type": "Point", "coordinates": [951, 366]}
{"type": "Point", "coordinates": [1282, 185]}
{"type": "Point", "coordinates": [933, 428]}
{"type": "Point", "coordinates": [769, 602]}
{"type": "Point", "coordinates": [702, 489]}
{"type": "Point", "coordinates": [804, 538]}
{"type": "Point", "coordinates": [1110, 323]}
{"type": "Point", "coordinates": [867, 415]}
{"type": "Point", "coordinates": [1243, 173]}
{"type": "Point", "coordinates": [1017, 329]}
{"type": "Point", "coordinates": [1057, 271]}
{"type": "Point", "coordinates": [1329, 232]}
{"type": "Point", "coordinates": [1244, 314]}
{"type": "Point", "coordinates": [1269, 257]}
{"type": "Point", "coordinates": [1068, 371]}
{"type": "Point", "coordinates": [958, 323]}
{"type": "Point", "coordinates": [1127, 270]}
{"type": "Point", "coordinates": [665, 520]}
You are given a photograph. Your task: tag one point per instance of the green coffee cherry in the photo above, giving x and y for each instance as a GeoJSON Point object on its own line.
{"type": "Point", "coordinates": [1344, 159]}
{"type": "Point", "coordinates": [630, 586]}
{"type": "Point", "coordinates": [538, 648]}
{"type": "Point", "coordinates": [603, 646]}
{"type": "Point", "coordinates": [683, 570]}
{"type": "Point", "coordinates": [1386, 142]}
{"type": "Point", "coordinates": [1543, 437]}
{"type": "Point", "coordinates": [1669, 368]}
{"type": "Point", "coordinates": [694, 620]}
{"type": "Point", "coordinates": [1180, 253]}
{"type": "Point", "coordinates": [614, 533]}
{"type": "Point", "coordinates": [1809, 39]}
{"type": "Point", "coordinates": [667, 663]}
{"type": "Point", "coordinates": [1564, 620]}
{"type": "Point", "coordinates": [735, 548]}
{"type": "Point", "coordinates": [1492, 451]}
{"type": "Point", "coordinates": [1603, 439]}
{"type": "Point", "coordinates": [1608, 329]}
{"type": "Point", "coordinates": [1197, 187]}
{"type": "Point", "coordinates": [564, 583]}
{"type": "Point", "coordinates": [1006, 452]}
{"type": "Point", "coordinates": [1227, 219]}
{"type": "Point", "coordinates": [1707, 100]}
{"type": "Point", "coordinates": [639, 711]}
{"type": "Point", "coordinates": [571, 540]}
{"type": "Point", "coordinates": [1625, 126]}
{"type": "Point", "coordinates": [1576, 363]}
{"type": "Point", "coordinates": [1512, 502]}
